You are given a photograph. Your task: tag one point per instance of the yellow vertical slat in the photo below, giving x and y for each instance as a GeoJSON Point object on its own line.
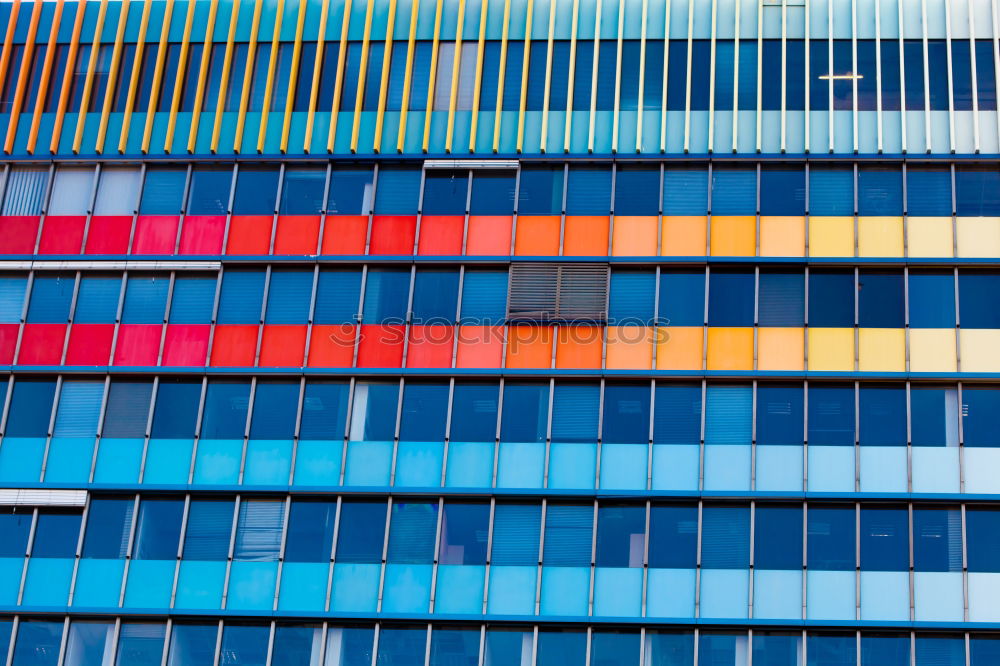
{"type": "Point", "coordinates": [359, 98]}
{"type": "Point", "coordinates": [227, 66]}
{"type": "Point", "coordinates": [618, 77]}
{"type": "Point", "coordinates": [642, 78]}
{"type": "Point", "coordinates": [317, 71]}
{"type": "Point", "coordinates": [548, 75]}
{"type": "Point", "coordinates": [383, 89]}
{"type": "Point", "coordinates": [456, 66]}
{"type": "Point", "coordinates": [23, 77]}
{"type": "Point", "coordinates": [666, 69]}
{"type": "Point", "coordinates": [88, 86]}
{"type": "Point", "coordinates": [269, 86]}
{"type": "Point", "coordinates": [593, 79]}
{"type": "Point", "coordinates": [133, 85]}
{"type": "Point", "coordinates": [241, 117]}
{"type": "Point", "coordinates": [524, 75]}
{"type": "Point", "coordinates": [432, 79]}
{"type": "Point", "coordinates": [43, 84]}
{"type": "Point", "coordinates": [206, 57]}
{"type": "Point", "coordinates": [109, 93]}
{"type": "Point", "coordinates": [502, 75]}
{"type": "Point", "coordinates": [339, 84]}
{"type": "Point", "coordinates": [478, 88]}
{"type": "Point", "coordinates": [408, 76]}
{"type": "Point", "coordinates": [8, 42]}
{"type": "Point", "coordinates": [572, 75]}
{"type": "Point", "coordinates": [182, 65]}
{"type": "Point", "coordinates": [154, 94]}
{"type": "Point", "coordinates": [294, 78]}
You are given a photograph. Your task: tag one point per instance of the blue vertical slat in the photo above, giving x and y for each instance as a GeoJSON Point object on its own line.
{"type": "Point", "coordinates": [574, 412]}
{"type": "Point", "coordinates": [728, 414]}
{"type": "Point", "coordinates": [288, 297]}
{"type": "Point", "coordinates": [79, 408]}
{"type": "Point", "coordinates": [12, 298]}
{"type": "Point", "coordinates": [337, 295]}
{"type": "Point", "coordinates": [484, 297]}
{"type": "Point", "coordinates": [241, 297]}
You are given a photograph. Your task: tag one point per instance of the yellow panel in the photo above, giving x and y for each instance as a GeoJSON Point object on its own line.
{"type": "Point", "coordinates": [881, 350]}
{"type": "Point", "coordinates": [730, 348]}
{"type": "Point", "coordinates": [630, 347]}
{"type": "Point", "coordinates": [831, 236]}
{"type": "Point", "coordinates": [680, 347]}
{"type": "Point", "coordinates": [734, 235]}
{"type": "Point", "coordinates": [978, 236]}
{"type": "Point", "coordinates": [980, 349]}
{"type": "Point", "coordinates": [782, 236]}
{"type": "Point", "coordinates": [932, 350]}
{"type": "Point", "coordinates": [831, 349]}
{"type": "Point", "coordinates": [929, 237]}
{"type": "Point", "coordinates": [880, 237]}
{"type": "Point", "coordinates": [780, 349]}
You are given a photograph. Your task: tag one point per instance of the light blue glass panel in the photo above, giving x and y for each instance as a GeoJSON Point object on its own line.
{"type": "Point", "coordinates": [934, 469]}
{"type": "Point", "coordinates": [938, 596]}
{"type": "Point", "coordinates": [268, 462]}
{"type": "Point", "coordinates": [670, 593]}
{"type": "Point", "coordinates": [830, 595]}
{"type": "Point", "coordinates": [199, 584]}
{"type": "Point", "coordinates": [623, 466]}
{"type": "Point", "coordinates": [675, 466]}
{"type": "Point", "coordinates": [303, 586]}
{"type": "Point", "coordinates": [69, 459]}
{"type": "Point", "coordinates": [778, 468]}
{"type": "Point", "coordinates": [459, 589]}
{"type": "Point", "coordinates": [118, 460]}
{"type": "Point", "coordinates": [470, 465]}
{"type": "Point", "coordinates": [883, 469]}
{"type": "Point", "coordinates": [355, 587]}
{"type": "Point", "coordinates": [617, 591]}
{"type": "Point", "coordinates": [984, 597]}
{"type": "Point", "coordinates": [10, 578]}
{"type": "Point", "coordinates": [47, 582]}
{"type": "Point", "coordinates": [843, 132]}
{"type": "Point", "coordinates": [724, 593]}
{"type": "Point", "coordinates": [149, 583]}
{"type": "Point", "coordinates": [980, 468]}
{"type": "Point", "coordinates": [419, 463]}
{"type": "Point", "coordinates": [565, 590]}
{"type": "Point", "coordinates": [317, 463]}
{"type": "Point", "coordinates": [21, 458]}
{"type": "Point", "coordinates": [521, 465]}
{"type": "Point", "coordinates": [168, 461]}
{"type": "Point", "coordinates": [831, 468]}
{"type": "Point", "coordinates": [777, 594]}
{"type": "Point", "coordinates": [727, 467]}
{"type": "Point", "coordinates": [368, 463]}
{"type": "Point", "coordinates": [572, 465]}
{"type": "Point", "coordinates": [407, 588]}
{"type": "Point", "coordinates": [885, 595]}
{"type": "Point", "coordinates": [98, 582]}
{"type": "Point", "coordinates": [217, 461]}
{"type": "Point", "coordinates": [251, 585]}
{"type": "Point", "coordinates": [512, 590]}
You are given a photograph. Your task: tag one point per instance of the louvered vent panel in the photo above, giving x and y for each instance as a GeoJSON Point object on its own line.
{"type": "Point", "coordinates": [558, 293]}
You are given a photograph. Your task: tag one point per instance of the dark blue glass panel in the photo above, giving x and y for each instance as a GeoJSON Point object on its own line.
{"type": "Point", "coordinates": [512, 76]}
{"type": "Point", "coordinates": [724, 63]}
{"type": "Point", "coordinates": [298, 645]}
{"type": "Point", "coordinates": [685, 191]}
{"type": "Point", "coordinates": [977, 191]}
{"type": "Point", "coordinates": [928, 191]}
{"type": "Point", "coordinates": [677, 75]}
{"type": "Point", "coordinates": [425, 412]}
{"type": "Point", "coordinates": [352, 71]}
{"type": "Point", "coordinates": [626, 413]}
{"type": "Point", "coordinates": [961, 74]}
{"type": "Point", "coordinates": [731, 298]}
{"type": "Point", "coordinates": [337, 295]}
{"type": "Point", "coordinates": [701, 77]}
{"type": "Point", "coordinates": [435, 296]}
{"type": "Point", "coordinates": [209, 193]}
{"type": "Point", "coordinates": [454, 647]}
{"type": "Point", "coordinates": [158, 530]}
{"type": "Point", "coordinates": [355, 646]}
{"type": "Point", "coordinates": [831, 191]}
{"type": "Point", "coordinates": [831, 415]}
{"type": "Point", "coordinates": [244, 645]}
{"type": "Point", "coordinates": [362, 532]}
{"type": "Point", "coordinates": [782, 190]}
{"type": "Point", "coordinates": [289, 294]}
{"type": "Point", "coordinates": [819, 81]}
{"type": "Point", "coordinates": [986, 83]}
{"type": "Point", "coordinates": [474, 412]}
{"type": "Point", "coordinates": [673, 536]}
{"type": "Point", "coordinates": [541, 191]}
{"type": "Point", "coordinates": [505, 645]}
{"type": "Point", "coordinates": [145, 299]}
{"type": "Point", "coordinates": [770, 92]}
{"type": "Point", "coordinates": [725, 537]}
{"type": "Point", "coordinates": [831, 298]}
{"type": "Point", "coordinates": [718, 648]}
{"type": "Point", "coordinates": [933, 650]}
{"type": "Point", "coordinates": [781, 299]}
{"type": "Point", "coordinates": [108, 523]}
{"type": "Point", "coordinates": [629, 93]}
{"type": "Point", "coordinates": [464, 529]}
{"type": "Point", "coordinates": [559, 74]}
{"type": "Point", "coordinates": [913, 66]}
{"type": "Point", "coordinates": [933, 416]}
{"type": "Point", "coordinates": [670, 649]}
{"type": "Point", "coordinates": [226, 406]}
{"type": "Point", "coordinates": [614, 648]}
{"type": "Point", "coordinates": [193, 300]}
{"type": "Point", "coordinates": [889, 79]}
{"type": "Point", "coordinates": [412, 532]}
{"type": "Point", "coordinates": [780, 414]}
{"type": "Point", "coordinates": [256, 191]}
{"type": "Point", "coordinates": [445, 192]}
{"type": "Point", "coordinates": [747, 97]}
{"type": "Point", "coordinates": [303, 84]}
{"type": "Point", "coordinates": [525, 412]}
{"type": "Point", "coordinates": [637, 190]}
{"type": "Point", "coordinates": [734, 191]}
{"type": "Point", "coordinates": [776, 649]}
{"type": "Point", "coordinates": [56, 534]}
{"type": "Point", "coordinates": [242, 297]}
{"type": "Point", "coordinates": [397, 75]}
{"type": "Point", "coordinates": [588, 191]}
{"type": "Point", "coordinates": [880, 191]}
{"type": "Point", "coordinates": [162, 191]}
{"type": "Point", "coordinates": [885, 650]}
{"type": "Point", "coordinates": [882, 415]}
{"type": "Point", "coordinates": [843, 65]}
{"type": "Point", "coordinates": [652, 91]}
{"type": "Point", "coordinates": [568, 530]}
{"type": "Point", "coordinates": [30, 408]}
{"type": "Point", "coordinates": [37, 643]}
{"type": "Point", "coordinates": [374, 411]}
{"type": "Point", "coordinates": [937, 74]}
{"type": "Point", "coordinates": [984, 650]}
{"type": "Point", "coordinates": [575, 408]}
{"type": "Point", "coordinates": [192, 644]}
{"type": "Point", "coordinates": [387, 291]}
{"type": "Point", "coordinates": [209, 525]}
{"type": "Point", "coordinates": [176, 410]}
{"type": "Point", "coordinates": [795, 74]}
{"type": "Point", "coordinates": [561, 647]}
{"type": "Point", "coordinates": [982, 535]}
{"type": "Point", "coordinates": [492, 193]}
{"type": "Point", "coordinates": [831, 650]}
{"type": "Point", "coordinates": [324, 410]}
{"type": "Point", "coordinates": [682, 298]}
{"type": "Point", "coordinates": [310, 531]}
{"type": "Point", "coordinates": [351, 191]}
{"type": "Point", "coordinates": [97, 300]}
{"type": "Point", "coordinates": [275, 405]}
{"type": "Point", "coordinates": [677, 415]}
{"type": "Point", "coordinates": [778, 537]}
{"type": "Point", "coordinates": [373, 77]}
{"type": "Point", "coordinates": [831, 534]}
{"type": "Point", "coordinates": [140, 644]}
{"type": "Point", "coordinates": [537, 67]}
{"type": "Point", "coordinates": [621, 535]}
{"type": "Point", "coordinates": [867, 75]}
{"type": "Point", "coordinates": [932, 299]}
{"type": "Point", "coordinates": [884, 539]}
{"type": "Point", "coordinates": [516, 533]}
{"type": "Point", "coordinates": [632, 298]}
{"type": "Point", "coordinates": [880, 300]}
{"type": "Point", "coordinates": [582, 84]}
{"type": "Point", "coordinates": [607, 72]}
{"type": "Point", "coordinates": [977, 299]}
{"type": "Point", "coordinates": [937, 539]}
{"type": "Point", "coordinates": [980, 405]}
{"type": "Point", "coordinates": [51, 297]}
{"type": "Point", "coordinates": [422, 53]}
{"type": "Point", "coordinates": [14, 528]}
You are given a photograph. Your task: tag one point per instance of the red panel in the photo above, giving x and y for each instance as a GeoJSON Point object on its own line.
{"type": "Point", "coordinates": [42, 344]}
{"type": "Point", "coordinates": [332, 346]}
{"type": "Point", "coordinates": [155, 234]}
{"type": "Point", "coordinates": [392, 234]}
{"type": "Point", "coordinates": [202, 234]}
{"type": "Point", "coordinates": [480, 346]}
{"type": "Point", "coordinates": [282, 346]}
{"type": "Point", "coordinates": [108, 234]}
{"type": "Point", "coordinates": [8, 342]}
{"type": "Point", "coordinates": [489, 235]}
{"type": "Point", "coordinates": [62, 234]}
{"type": "Point", "coordinates": [249, 234]}
{"type": "Point", "coordinates": [138, 344]}
{"type": "Point", "coordinates": [441, 234]}
{"type": "Point", "coordinates": [381, 346]}
{"type": "Point", "coordinates": [234, 345]}
{"type": "Point", "coordinates": [18, 234]}
{"type": "Point", "coordinates": [90, 344]}
{"type": "Point", "coordinates": [297, 234]}
{"type": "Point", "coordinates": [185, 345]}
{"type": "Point", "coordinates": [345, 234]}
{"type": "Point", "coordinates": [430, 346]}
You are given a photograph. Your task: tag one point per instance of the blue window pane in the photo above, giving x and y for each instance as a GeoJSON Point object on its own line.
{"type": "Point", "coordinates": [226, 406]}
{"type": "Point", "coordinates": [492, 192]}
{"type": "Point", "coordinates": [980, 405]}
{"type": "Point", "coordinates": [373, 77]}
{"type": "Point", "coordinates": [244, 644]}
{"type": "Point", "coordinates": [324, 411]}
{"type": "Point", "coordinates": [298, 645]}
{"type": "Point", "coordinates": [831, 649]}
{"type": "Point", "coordinates": [885, 650]}
{"type": "Point", "coordinates": [607, 69]}
{"type": "Point", "coordinates": [940, 650]}
{"type": "Point", "coordinates": [866, 70]}
{"type": "Point", "coordinates": [718, 648]}
{"type": "Point", "coordinates": [145, 299]}
{"type": "Point", "coordinates": [374, 411]}
{"type": "Point", "coordinates": [632, 298]}
{"type": "Point", "coordinates": [351, 73]}
{"type": "Point", "coordinates": [614, 648]}
{"type": "Point", "coordinates": [537, 67]}
{"type": "Point", "coordinates": [140, 644]}
{"type": "Point", "coordinates": [193, 300]}
{"type": "Point", "coordinates": [889, 79]}
{"type": "Point", "coordinates": [412, 532]}
{"type": "Point", "coordinates": [506, 646]}
{"type": "Point", "coordinates": [540, 191]}
{"type": "Point", "coordinates": [747, 84]}
{"type": "Point", "coordinates": [626, 414]}
{"type": "Point", "coordinates": [781, 299]}
{"type": "Point", "coordinates": [677, 75]}
{"type": "Point", "coordinates": [931, 299]}
{"type": "Point", "coordinates": [274, 407]}
{"type": "Point", "coordinates": [559, 73]}
{"type": "Point", "coordinates": [79, 408]}
{"type": "Point", "coordinates": [588, 191]}
{"type": "Point", "coordinates": [831, 535]}
{"type": "Point", "coordinates": [682, 298]}
{"type": "Point", "coordinates": [12, 290]}
{"type": "Point", "coordinates": [568, 530]}
{"type": "Point", "coordinates": [637, 190]}
{"type": "Point", "coordinates": [56, 534]}
{"type": "Point", "coordinates": [37, 643]}
{"type": "Point", "coordinates": [986, 83]}
{"type": "Point", "coordinates": [937, 539]}
{"type": "Point", "coordinates": [421, 75]}
{"type": "Point", "coordinates": [582, 84]}
{"type": "Point", "coordinates": [525, 412]}
{"type": "Point", "coordinates": [310, 531]}
{"type": "Point", "coordinates": [288, 296]}
{"type": "Point", "coordinates": [398, 646]}
{"type": "Point", "coordinates": [777, 649]}
{"type": "Point", "coordinates": [445, 192]}
{"type": "Point", "coordinates": [928, 191]}
{"type": "Point", "coordinates": [831, 189]}
{"type": "Point", "coordinates": [474, 412]}
{"type": "Point", "coordinates": [362, 532]}
{"type": "Point", "coordinates": [831, 415]}
{"type": "Point", "coordinates": [464, 528]}
{"type": "Point", "coordinates": [621, 535]}
{"type": "Point", "coordinates": [209, 193]}
{"type": "Point", "coordinates": [984, 650]}
{"type": "Point", "coordinates": [677, 414]}
{"type": "Point", "coordinates": [30, 408]}
{"type": "Point", "coordinates": [386, 294]}
{"type": "Point", "coordinates": [725, 537]}
{"type": "Point", "coordinates": [701, 58]}
{"type": "Point", "coordinates": [484, 297]}
{"type": "Point", "coordinates": [631, 58]}
{"type": "Point", "coordinates": [882, 415]}
{"type": "Point", "coordinates": [425, 412]}
{"type": "Point", "coordinates": [937, 74]}
{"type": "Point", "coordinates": [490, 74]}
{"type": "Point", "coordinates": [880, 191]}
{"type": "Point", "coordinates": [51, 296]}
{"type": "Point", "coordinates": [561, 647]}
{"type": "Point", "coordinates": [14, 528]}
{"type": "Point", "coordinates": [670, 648]}
{"type": "Point", "coordinates": [843, 86]}
{"type": "Point", "coordinates": [777, 537]}
{"type": "Point", "coordinates": [933, 416]}
{"type": "Point", "coordinates": [782, 189]}
{"type": "Point", "coordinates": [976, 299]}
{"type": "Point", "coordinates": [512, 76]}
{"type": "Point", "coordinates": [673, 536]}
{"type": "Point", "coordinates": [880, 300]}
{"type": "Point", "coordinates": [338, 293]}
{"type": "Point", "coordinates": [209, 524]}
{"type": "Point", "coordinates": [831, 299]}
{"type": "Point", "coordinates": [158, 529]}
{"type": "Point", "coordinates": [242, 297]}
{"type": "Point", "coordinates": [685, 191]}
{"type": "Point", "coordinates": [398, 191]}
{"type": "Point", "coordinates": [575, 408]}
{"type": "Point", "coordinates": [780, 411]}
{"type": "Point", "coordinates": [982, 534]}
{"type": "Point", "coordinates": [724, 64]}
{"type": "Point", "coordinates": [258, 530]}
{"type": "Point", "coordinates": [97, 300]}
{"type": "Point", "coordinates": [108, 524]}
{"type": "Point", "coordinates": [884, 539]}
{"type": "Point", "coordinates": [351, 190]}
{"type": "Point", "coordinates": [192, 644]}
{"type": "Point", "coordinates": [352, 646]}
{"type": "Point", "coordinates": [162, 191]}
{"type": "Point", "coordinates": [516, 533]}
{"type": "Point", "coordinates": [435, 296]}
{"type": "Point", "coordinates": [176, 410]}
{"type": "Point", "coordinates": [454, 647]}
{"type": "Point", "coordinates": [977, 191]}
{"type": "Point", "coordinates": [256, 191]}
{"type": "Point", "coordinates": [731, 298]}
{"type": "Point", "coordinates": [302, 191]}
{"type": "Point", "coordinates": [734, 191]}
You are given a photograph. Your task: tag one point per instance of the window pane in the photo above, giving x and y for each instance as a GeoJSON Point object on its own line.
{"type": "Point", "coordinates": [51, 296]}
{"type": "Point", "coordinates": [474, 412]}
{"type": "Point", "coordinates": [435, 296]}
{"type": "Point", "coordinates": [226, 406]}
{"type": "Point", "coordinates": [626, 414]}
{"type": "Point", "coordinates": [718, 648]}
{"type": "Point", "coordinates": [669, 648]}
{"type": "Point", "coordinates": [780, 414]}
{"type": "Point", "coordinates": [782, 189]}
{"type": "Point", "coordinates": [386, 296]}
{"type": "Point", "coordinates": [298, 645]}
{"type": "Point", "coordinates": [933, 416]}
{"type": "Point", "coordinates": [928, 190]}
{"type": "Point", "coordinates": [525, 412]}
{"type": "Point", "coordinates": [492, 193]}
{"type": "Point", "coordinates": [937, 539]}
{"type": "Point", "coordinates": [507, 646]}
{"type": "Point", "coordinates": [256, 191]}
{"type": "Point", "coordinates": [637, 190]}
{"type": "Point", "coordinates": [880, 300]}
{"type": "Point", "coordinates": [398, 190]}
{"type": "Point", "coordinates": [831, 299]}
{"type": "Point", "coordinates": [361, 532]}
{"type": "Point", "coordinates": [725, 537]}
{"type": "Point", "coordinates": [885, 650]}
{"type": "Point", "coordinates": [561, 647]}
{"type": "Point", "coordinates": [516, 532]}
{"type": "Point", "coordinates": [831, 189]}
{"type": "Point", "coordinates": [882, 415]}
{"type": "Point", "coordinates": [258, 532]}
{"type": "Point", "coordinates": [324, 411]}
{"type": "Point", "coordinates": [15, 525]}
{"type": "Point", "coordinates": [940, 650]}
{"type": "Point", "coordinates": [454, 647]}
{"type": "Point", "coordinates": [781, 299]}
{"type": "Point", "coordinates": [242, 297]}
{"type": "Point", "coordinates": [176, 410]}
{"type": "Point", "coordinates": [777, 537]}
{"type": "Point", "coordinates": [884, 539]}
{"type": "Point", "coordinates": [71, 191]}
{"type": "Point", "coordinates": [445, 191]}
{"type": "Point", "coordinates": [568, 530]}
{"type": "Point", "coordinates": [30, 408]}
{"type": "Point", "coordinates": [302, 192]}
{"type": "Point", "coordinates": [831, 649]}
{"type": "Point", "coordinates": [677, 417]}
{"type": "Point", "coordinates": [632, 298]}
{"type": "Point", "coordinates": [209, 524]}
{"type": "Point", "coordinates": [89, 643]}
{"type": "Point", "coordinates": [274, 408]}
{"type": "Point", "coordinates": [140, 644]}
{"type": "Point", "coordinates": [540, 191]}
{"type": "Point", "coordinates": [37, 643]}
{"type": "Point", "coordinates": [373, 415]}
{"type": "Point", "coordinates": [979, 408]}
{"type": "Point", "coordinates": [244, 645]}
{"type": "Point", "coordinates": [158, 530]}
{"type": "Point", "coordinates": [412, 532]}
{"type": "Point", "coordinates": [145, 299]}
{"type": "Point", "coordinates": [97, 299]}
{"type": "Point", "coordinates": [575, 409]}
{"type": "Point", "coordinates": [685, 190]}
{"type": "Point", "coordinates": [976, 297]}
{"type": "Point", "coordinates": [56, 534]}
{"type": "Point", "coordinates": [982, 526]}
{"type": "Point", "coordinates": [614, 648]}
{"type": "Point", "coordinates": [731, 298]}
{"type": "Point", "coordinates": [931, 299]}
{"type": "Point", "coordinates": [831, 531]}
{"type": "Point", "coordinates": [831, 415]}
{"type": "Point", "coordinates": [777, 649]}
{"type": "Point", "coordinates": [310, 531]}
{"type": "Point", "coordinates": [209, 191]}
{"type": "Point", "coordinates": [109, 522]}
{"type": "Point", "coordinates": [588, 191]}
{"type": "Point", "coordinates": [984, 649]}
{"type": "Point", "coordinates": [192, 644]}
{"type": "Point", "coordinates": [396, 645]}
{"type": "Point", "coordinates": [734, 190]}
{"type": "Point", "coordinates": [977, 191]}
{"type": "Point", "coordinates": [464, 528]}
{"type": "Point", "coordinates": [193, 300]}
{"type": "Point", "coordinates": [425, 412]}
{"type": "Point", "coordinates": [338, 293]}
{"type": "Point", "coordinates": [621, 535]}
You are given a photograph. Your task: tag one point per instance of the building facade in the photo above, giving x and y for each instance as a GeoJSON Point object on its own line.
{"type": "Point", "coordinates": [500, 333]}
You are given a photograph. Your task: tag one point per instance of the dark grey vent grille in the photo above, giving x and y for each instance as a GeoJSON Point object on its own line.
{"type": "Point", "coordinates": [549, 292]}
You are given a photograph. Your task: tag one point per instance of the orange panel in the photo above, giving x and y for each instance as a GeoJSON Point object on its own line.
{"type": "Point", "coordinates": [249, 234]}
{"type": "Point", "coordinates": [634, 236]}
{"type": "Point", "coordinates": [441, 234]}
{"type": "Point", "coordinates": [730, 348]}
{"type": "Point", "coordinates": [630, 348]}
{"type": "Point", "coordinates": [332, 346]}
{"type": "Point", "coordinates": [234, 345]}
{"type": "Point", "coordinates": [579, 346]}
{"type": "Point", "coordinates": [537, 235]}
{"type": "Point", "coordinates": [586, 236]}
{"type": "Point", "coordinates": [392, 234]}
{"type": "Point", "coordinates": [780, 349]}
{"type": "Point", "coordinates": [680, 347]}
{"type": "Point", "coordinates": [782, 236]}
{"type": "Point", "coordinates": [488, 235]}
{"type": "Point", "coordinates": [684, 236]}
{"type": "Point", "coordinates": [296, 234]}
{"type": "Point", "coordinates": [345, 234]}
{"type": "Point", "coordinates": [282, 346]}
{"type": "Point", "coordinates": [734, 235]}
{"type": "Point", "coordinates": [430, 346]}
{"type": "Point", "coordinates": [529, 346]}
{"type": "Point", "coordinates": [480, 346]}
{"type": "Point", "coordinates": [381, 346]}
